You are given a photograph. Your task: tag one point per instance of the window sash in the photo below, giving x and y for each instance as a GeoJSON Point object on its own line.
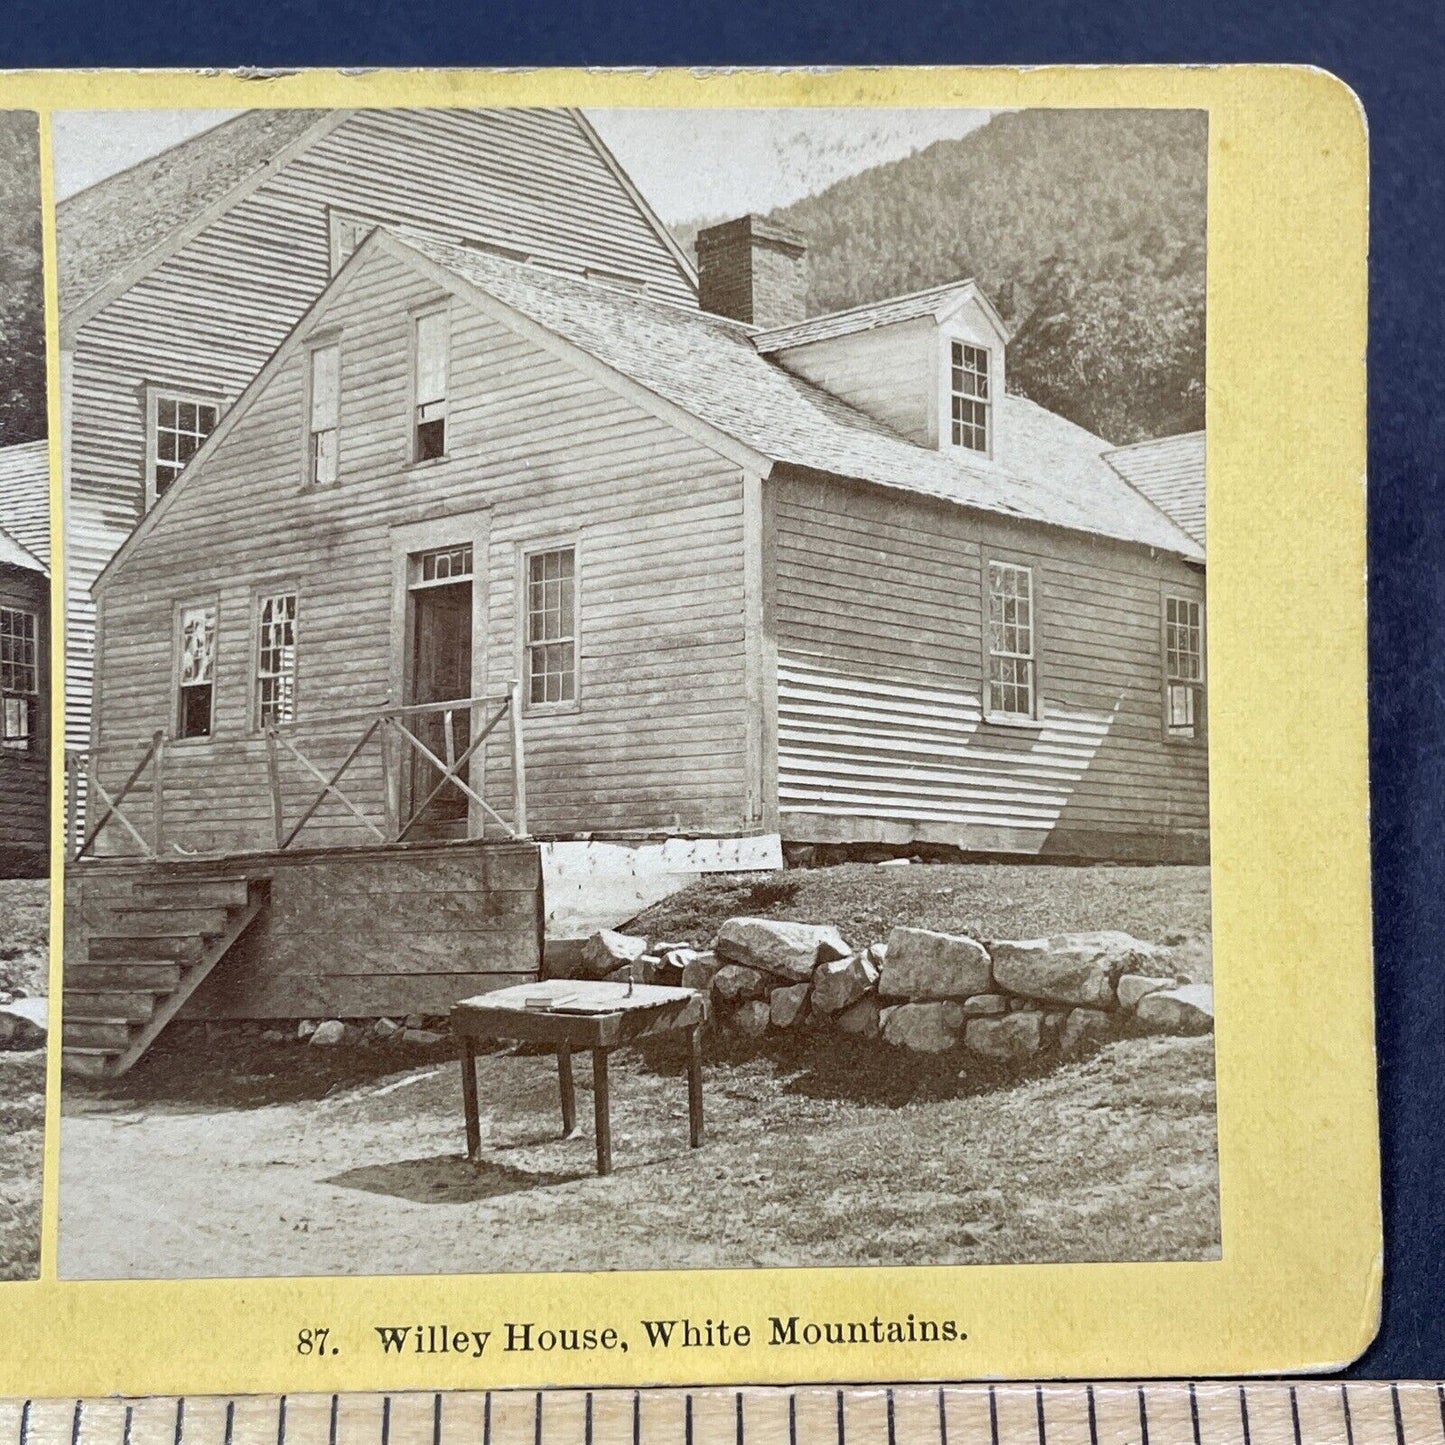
{"type": "Point", "coordinates": [1183, 667]}
{"type": "Point", "coordinates": [431, 359]}
{"type": "Point", "coordinates": [276, 659]}
{"type": "Point", "coordinates": [19, 661]}
{"type": "Point", "coordinates": [1012, 670]}
{"type": "Point", "coordinates": [969, 396]}
{"type": "Point", "coordinates": [551, 626]}
{"type": "Point", "coordinates": [196, 671]}
{"type": "Point", "coordinates": [180, 425]}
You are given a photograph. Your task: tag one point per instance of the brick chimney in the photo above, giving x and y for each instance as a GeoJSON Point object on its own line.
{"type": "Point", "coordinates": [753, 270]}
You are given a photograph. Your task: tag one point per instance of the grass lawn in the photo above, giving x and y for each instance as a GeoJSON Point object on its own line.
{"type": "Point", "coordinates": [24, 913]}
{"type": "Point", "coordinates": [281, 1158]}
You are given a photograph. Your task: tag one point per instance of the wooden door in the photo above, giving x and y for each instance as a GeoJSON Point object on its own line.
{"type": "Point", "coordinates": [441, 671]}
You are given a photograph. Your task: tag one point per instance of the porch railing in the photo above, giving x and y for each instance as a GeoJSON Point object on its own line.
{"type": "Point", "coordinates": [392, 731]}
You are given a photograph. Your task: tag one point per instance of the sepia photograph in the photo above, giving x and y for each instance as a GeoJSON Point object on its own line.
{"type": "Point", "coordinates": [718, 592]}
{"type": "Point", "coordinates": [24, 697]}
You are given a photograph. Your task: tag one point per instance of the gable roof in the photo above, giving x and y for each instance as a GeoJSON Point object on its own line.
{"type": "Point", "coordinates": [25, 499]}
{"type": "Point", "coordinates": [1170, 472]}
{"type": "Point", "coordinates": [936, 302]}
{"type": "Point", "coordinates": [110, 234]}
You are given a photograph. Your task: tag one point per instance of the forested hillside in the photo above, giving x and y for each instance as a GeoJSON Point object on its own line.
{"type": "Point", "coordinates": [1085, 228]}
{"type": "Point", "coordinates": [22, 298]}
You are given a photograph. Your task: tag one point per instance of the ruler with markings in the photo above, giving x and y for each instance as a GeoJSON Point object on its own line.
{"type": "Point", "coordinates": [1262, 1412]}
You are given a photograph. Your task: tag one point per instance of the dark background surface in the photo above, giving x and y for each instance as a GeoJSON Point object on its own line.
{"type": "Point", "coordinates": [1394, 57]}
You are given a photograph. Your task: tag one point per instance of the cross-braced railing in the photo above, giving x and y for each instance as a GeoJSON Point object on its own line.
{"type": "Point", "coordinates": [417, 774]}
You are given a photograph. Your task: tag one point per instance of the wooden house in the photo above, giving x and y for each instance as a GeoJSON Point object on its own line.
{"type": "Point", "coordinates": [180, 276]}
{"type": "Point", "coordinates": [24, 660]}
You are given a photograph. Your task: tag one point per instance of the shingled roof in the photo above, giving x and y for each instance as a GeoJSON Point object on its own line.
{"type": "Point", "coordinates": [114, 224]}
{"type": "Point", "coordinates": [25, 499]}
{"type": "Point", "coordinates": [1050, 470]}
{"type": "Point", "coordinates": [932, 302]}
{"type": "Point", "coordinates": [1170, 472]}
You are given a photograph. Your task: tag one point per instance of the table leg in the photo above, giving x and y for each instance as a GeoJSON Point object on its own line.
{"type": "Point", "coordinates": [469, 1101]}
{"type": "Point", "coordinates": [569, 1089]}
{"type": "Point", "coordinates": [694, 1085]}
{"type": "Point", "coordinates": [602, 1108]}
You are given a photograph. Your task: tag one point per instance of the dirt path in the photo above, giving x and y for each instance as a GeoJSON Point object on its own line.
{"type": "Point", "coordinates": [1111, 1158]}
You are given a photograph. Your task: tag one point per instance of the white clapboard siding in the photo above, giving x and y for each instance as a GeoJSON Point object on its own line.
{"type": "Point", "coordinates": [207, 317]}
{"type": "Point", "coordinates": [877, 608]}
{"type": "Point", "coordinates": [544, 452]}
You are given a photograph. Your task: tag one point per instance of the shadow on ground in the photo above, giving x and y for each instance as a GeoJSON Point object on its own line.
{"type": "Point", "coordinates": [447, 1179]}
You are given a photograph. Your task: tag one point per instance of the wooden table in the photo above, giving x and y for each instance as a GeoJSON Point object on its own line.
{"type": "Point", "coordinates": [570, 1014]}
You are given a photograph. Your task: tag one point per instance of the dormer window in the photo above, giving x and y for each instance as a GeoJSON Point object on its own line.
{"type": "Point", "coordinates": [970, 397]}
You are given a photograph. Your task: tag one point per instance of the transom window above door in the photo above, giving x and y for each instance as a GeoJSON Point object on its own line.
{"type": "Point", "coordinates": [442, 564]}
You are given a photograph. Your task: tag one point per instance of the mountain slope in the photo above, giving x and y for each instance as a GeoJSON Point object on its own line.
{"type": "Point", "coordinates": [1085, 228]}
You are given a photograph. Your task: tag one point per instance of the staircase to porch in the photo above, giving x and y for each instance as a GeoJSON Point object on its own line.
{"type": "Point", "coordinates": [146, 956]}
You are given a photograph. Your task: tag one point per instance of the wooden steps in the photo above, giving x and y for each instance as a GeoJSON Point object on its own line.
{"type": "Point", "coordinates": [143, 961]}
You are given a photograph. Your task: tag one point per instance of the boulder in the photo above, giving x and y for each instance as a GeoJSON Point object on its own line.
{"type": "Point", "coordinates": [305, 1029]}
{"type": "Point", "coordinates": [274, 1036]}
{"type": "Point", "coordinates": [786, 1008]}
{"type": "Point", "coordinates": [1071, 968]}
{"type": "Point", "coordinates": [862, 1019]}
{"type": "Point", "coordinates": [985, 1005]}
{"type": "Point", "coordinates": [422, 1038]}
{"type": "Point", "coordinates": [923, 965]}
{"type": "Point", "coordinates": [333, 1031]}
{"type": "Point", "coordinates": [752, 1019]}
{"type": "Point", "coordinates": [700, 971]}
{"type": "Point", "coordinates": [733, 983]}
{"type": "Point", "coordinates": [414, 1021]}
{"type": "Point", "coordinates": [1014, 1036]}
{"type": "Point", "coordinates": [841, 982]}
{"type": "Point", "coordinates": [878, 954]}
{"type": "Point", "coordinates": [384, 1029]}
{"type": "Point", "coordinates": [607, 951]}
{"type": "Point", "coordinates": [673, 965]}
{"type": "Point", "coordinates": [786, 950]}
{"type": "Point", "coordinates": [926, 1028]}
{"type": "Point", "coordinates": [1085, 1029]}
{"type": "Point", "coordinates": [1134, 986]}
{"type": "Point", "coordinates": [1187, 1010]}
{"type": "Point", "coordinates": [24, 1023]}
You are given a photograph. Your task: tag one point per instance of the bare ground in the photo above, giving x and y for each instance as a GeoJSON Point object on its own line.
{"type": "Point", "coordinates": [24, 913]}
{"type": "Point", "coordinates": [281, 1158]}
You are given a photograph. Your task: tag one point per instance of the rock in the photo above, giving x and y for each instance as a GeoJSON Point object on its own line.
{"type": "Point", "coordinates": [878, 954]}
{"type": "Point", "coordinates": [699, 972]}
{"type": "Point", "coordinates": [305, 1029]}
{"type": "Point", "coordinates": [640, 970]}
{"type": "Point", "coordinates": [606, 951]}
{"type": "Point", "coordinates": [414, 1021]}
{"type": "Point", "coordinates": [333, 1031]}
{"type": "Point", "coordinates": [673, 965]}
{"type": "Point", "coordinates": [926, 1028]}
{"type": "Point", "coordinates": [24, 1023]}
{"type": "Point", "coordinates": [384, 1029]}
{"type": "Point", "coordinates": [1072, 968]}
{"type": "Point", "coordinates": [1014, 1036]}
{"type": "Point", "coordinates": [751, 1020]}
{"type": "Point", "coordinates": [1084, 1030]}
{"type": "Point", "coordinates": [862, 1019]}
{"type": "Point", "coordinates": [787, 950]}
{"type": "Point", "coordinates": [841, 982]}
{"type": "Point", "coordinates": [733, 983]}
{"type": "Point", "coordinates": [984, 1005]}
{"type": "Point", "coordinates": [921, 964]}
{"type": "Point", "coordinates": [422, 1038]}
{"type": "Point", "coordinates": [274, 1036]}
{"type": "Point", "coordinates": [1187, 1010]}
{"type": "Point", "coordinates": [1053, 1026]}
{"type": "Point", "coordinates": [662, 949]}
{"type": "Point", "coordinates": [788, 1004]}
{"type": "Point", "coordinates": [1134, 986]}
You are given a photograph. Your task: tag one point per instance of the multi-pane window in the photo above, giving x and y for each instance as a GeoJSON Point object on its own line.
{"type": "Point", "coordinates": [430, 420]}
{"type": "Point", "coordinates": [276, 660]}
{"type": "Point", "coordinates": [969, 391]}
{"type": "Point", "coordinates": [19, 678]}
{"type": "Point", "coordinates": [552, 626]}
{"type": "Point", "coordinates": [1012, 685]}
{"type": "Point", "coordinates": [321, 446]}
{"type": "Point", "coordinates": [447, 564]}
{"type": "Point", "coordinates": [1183, 668]}
{"type": "Point", "coordinates": [179, 425]}
{"type": "Point", "coordinates": [197, 671]}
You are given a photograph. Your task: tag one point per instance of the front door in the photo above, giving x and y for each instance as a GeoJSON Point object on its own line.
{"type": "Point", "coordinates": [440, 667]}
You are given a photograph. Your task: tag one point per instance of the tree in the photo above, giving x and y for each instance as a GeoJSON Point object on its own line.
{"type": "Point", "coordinates": [22, 290]}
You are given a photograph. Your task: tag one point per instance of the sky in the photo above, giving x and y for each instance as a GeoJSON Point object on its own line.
{"type": "Point", "coordinates": [752, 160]}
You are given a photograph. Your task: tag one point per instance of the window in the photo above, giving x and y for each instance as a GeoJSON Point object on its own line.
{"type": "Point", "coordinates": [197, 671]}
{"type": "Point", "coordinates": [321, 444]}
{"type": "Point", "coordinates": [19, 679]}
{"type": "Point", "coordinates": [445, 564]}
{"type": "Point", "coordinates": [1011, 682]}
{"type": "Point", "coordinates": [1183, 668]}
{"type": "Point", "coordinates": [178, 426]}
{"type": "Point", "coordinates": [429, 428]}
{"type": "Point", "coordinates": [276, 660]}
{"type": "Point", "coordinates": [969, 390]}
{"type": "Point", "coordinates": [552, 626]}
